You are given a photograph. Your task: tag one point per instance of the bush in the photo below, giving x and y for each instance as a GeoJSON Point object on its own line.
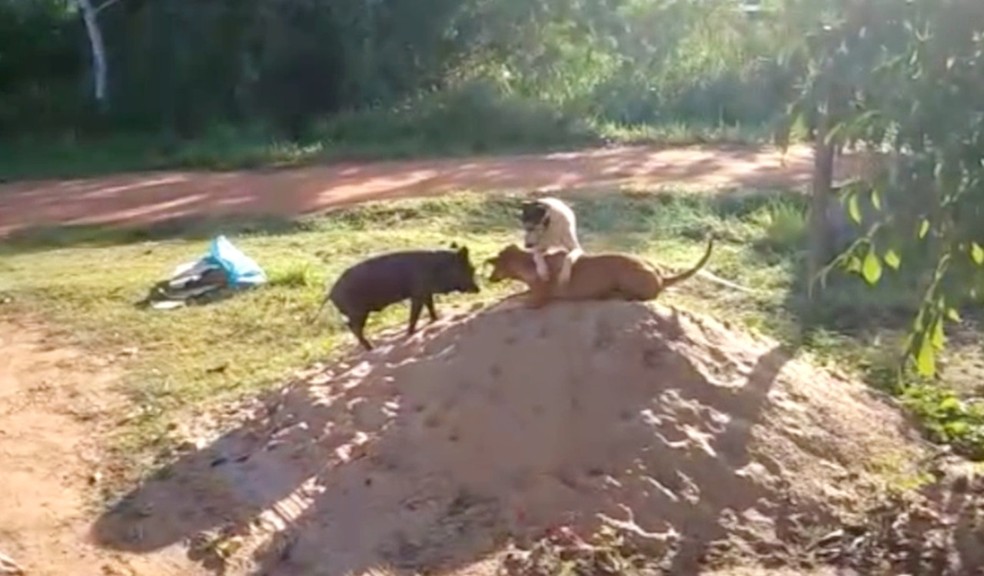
{"type": "Point", "coordinates": [784, 227]}
{"type": "Point", "coordinates": [475, 117]}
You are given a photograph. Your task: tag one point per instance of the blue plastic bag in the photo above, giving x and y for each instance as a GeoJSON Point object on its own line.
{"type": "Point", "coordinates": [240, 269]}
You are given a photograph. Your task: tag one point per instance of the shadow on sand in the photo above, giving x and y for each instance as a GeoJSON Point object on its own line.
{"type": "Point", "coordinates": [362, 469]}
{"type": "Point", "coordinates": [146, 200]}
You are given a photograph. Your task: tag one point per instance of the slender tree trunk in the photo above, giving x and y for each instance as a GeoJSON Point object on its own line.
{"type": "Point", "coordinates": [823, 177]}
{"type": "Point", "coordinates": [99, 70]}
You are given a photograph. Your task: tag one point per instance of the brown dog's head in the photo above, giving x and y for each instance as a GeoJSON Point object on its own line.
{"type": "Point", "coordinates": [507, 264]}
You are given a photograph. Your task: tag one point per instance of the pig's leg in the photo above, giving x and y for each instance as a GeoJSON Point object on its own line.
{"type": "Point", "coordinates": [416, 307]}
{"type": "Point", "coordinates": [429, 301]}
{"type": "Point", "coordinates": [357, 323]}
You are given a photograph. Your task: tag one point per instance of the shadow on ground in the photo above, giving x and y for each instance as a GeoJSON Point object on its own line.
{"type": "Point", "coordinates": [144, 200]}
{"type": "Point", "coordinates": [382, 465]}
{"type": "Point", "coordinates": [617, 220]}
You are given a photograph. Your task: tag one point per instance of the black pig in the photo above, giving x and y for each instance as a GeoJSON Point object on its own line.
{"type": "Point", "coordinates": [380, 281]}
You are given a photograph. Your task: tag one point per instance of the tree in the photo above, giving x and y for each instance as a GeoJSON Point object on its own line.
{"type": "Point", "coordinates": [100, 71]}
{"type": "Point", "coordinates": [911, 78]}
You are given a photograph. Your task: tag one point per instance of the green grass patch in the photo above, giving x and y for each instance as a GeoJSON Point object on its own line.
{"type": "Point", "coordinates": [190, 358]}
{"type": "Point", "coordinates": [465, 122]}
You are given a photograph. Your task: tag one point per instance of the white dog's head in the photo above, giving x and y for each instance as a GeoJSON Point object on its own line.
{"type": "Point", "coordinates": [535, 217]}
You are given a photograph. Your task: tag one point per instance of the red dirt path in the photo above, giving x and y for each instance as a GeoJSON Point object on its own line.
{"type": "Point", "coordinates": [148, 198]}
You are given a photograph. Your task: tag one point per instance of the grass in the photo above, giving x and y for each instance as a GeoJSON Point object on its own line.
{"type": "Point", "coordinates": [188, 359]}
{"type": "Point", "coordinates": [362, 136]}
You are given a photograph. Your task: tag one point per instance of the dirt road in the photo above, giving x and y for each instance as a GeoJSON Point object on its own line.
{"type": "Point", "coordinates": [53, 402]}
{"type": "Point", "coordinates": [150, 198]}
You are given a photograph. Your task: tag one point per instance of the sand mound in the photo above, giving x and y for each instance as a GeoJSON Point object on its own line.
{"type": "Point", "coordinates": [505, 422]}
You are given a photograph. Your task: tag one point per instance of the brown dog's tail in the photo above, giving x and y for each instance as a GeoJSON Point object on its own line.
{"type": "Point", "coordinates": [667, 282]}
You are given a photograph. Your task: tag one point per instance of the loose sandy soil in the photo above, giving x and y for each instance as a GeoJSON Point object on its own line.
{"type": "Point", "coordinates": [429, 454]}
{"type": "Point", "coordinates": [54, 402]}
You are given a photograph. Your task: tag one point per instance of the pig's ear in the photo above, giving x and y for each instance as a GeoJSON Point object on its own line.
{"type": "Point", "coordinates": [454, 245]}
{"type": "Point", "coordinates": [463, 251]}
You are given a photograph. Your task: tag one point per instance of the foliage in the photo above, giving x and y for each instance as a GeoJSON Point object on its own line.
{"type": "Point", "coordinates": [906, 77]}
{"type": "Point", "coordinates": [948, 419]}
{"type": "Point", "coordinates": [785, 227]}
{"type": "Point", "coordinates": [181, 68]}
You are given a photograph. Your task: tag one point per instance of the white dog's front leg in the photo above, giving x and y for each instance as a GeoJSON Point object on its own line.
{"type": "Point", "coordinates": [568, 267]}
{"type": "Point", "coordinates": [541, 266]}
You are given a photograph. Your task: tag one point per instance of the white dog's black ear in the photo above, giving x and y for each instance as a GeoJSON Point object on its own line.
{"type": "Point", "coordinates": [532, 212]}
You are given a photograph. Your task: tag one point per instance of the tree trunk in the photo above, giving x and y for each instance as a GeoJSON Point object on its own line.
{"type": "Point", "coordinates": [823, 177]}
{"type": "Point", "coordinates": [99, 70]}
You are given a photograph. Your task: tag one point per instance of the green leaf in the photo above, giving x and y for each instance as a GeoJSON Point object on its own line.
{"type": "Point", "coordinates": [926, 359]}
{"type": "Point", "coordinates": [977, 253]}
{"type": "Point", "coordinates": [871, 269]}
{"type": "Point", "coordinates": [923, 229]}
{"type": "Point", "coordinates": [853, 209]}
{"type": "Point", "coordinates": [957, 429]}
{"type": "Point", "coordinates": [917, 324]}
{"type": "Point", "coordinates": [938, 338]}
{"type": "Point", "coordinates": [854, 264]}
{"type": "Point", "coordinates": [876, 199]}
{"type": "Point", "coordinates": [952, 314]}
{"type": "Point", "coordinates": [892, 259]}
{"type": "Point", "coordinates": [951, 404]}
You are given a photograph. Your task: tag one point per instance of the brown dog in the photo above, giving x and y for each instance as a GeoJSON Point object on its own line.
{"type": "Point", "coordinates": [603, 276]}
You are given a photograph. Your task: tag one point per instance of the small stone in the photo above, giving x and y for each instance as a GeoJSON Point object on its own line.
{"type": "Point", "coordinates": [830, 539]}
{"type": "Point", "coordinates": [9, 567]}
{"type": "Point", "coordinates": [186, 446]}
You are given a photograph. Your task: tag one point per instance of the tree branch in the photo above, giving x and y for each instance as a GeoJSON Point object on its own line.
{"type": "Point", "coordinates": [104, 5]}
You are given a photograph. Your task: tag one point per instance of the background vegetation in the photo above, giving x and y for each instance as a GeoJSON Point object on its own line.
{"type": "Point", "coordinates": [249, 81]}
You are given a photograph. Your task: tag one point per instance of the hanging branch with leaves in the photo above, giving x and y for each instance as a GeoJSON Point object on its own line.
{"type": "Point", "coordinates": [913, 77]}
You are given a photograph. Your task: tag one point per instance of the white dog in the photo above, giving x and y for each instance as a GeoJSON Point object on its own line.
{"type": "Point", "coordinates": [550, 223]}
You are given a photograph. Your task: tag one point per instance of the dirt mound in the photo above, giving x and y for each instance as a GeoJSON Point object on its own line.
{"type": "Point", "coordinates": [505, 423]}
